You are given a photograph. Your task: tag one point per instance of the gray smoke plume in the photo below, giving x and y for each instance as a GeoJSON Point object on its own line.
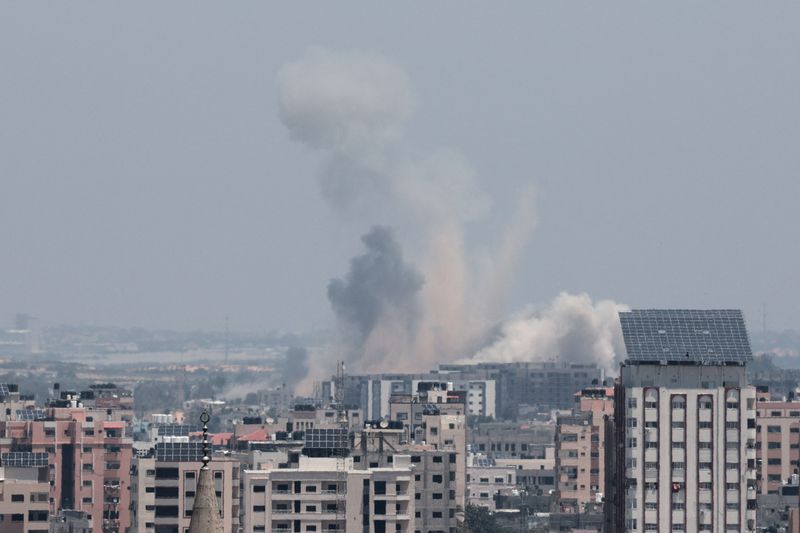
{"type": "Point", "coordinates": [572, 328]}
{"type": "Point", "coordinates": [295, 367]}
{"type": "Point", "coordinates": [377, 303]}
{"type": "Point", "coordinates": [353, 108]}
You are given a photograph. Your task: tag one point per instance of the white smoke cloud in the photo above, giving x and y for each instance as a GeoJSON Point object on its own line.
{"type": "Point", "coordinates": [572, 328]}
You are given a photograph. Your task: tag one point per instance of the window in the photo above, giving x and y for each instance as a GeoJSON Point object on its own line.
{"type": "Point", "coordinates": [632, 405]}
{"type": "Point", "coordinates": [259, 488]}
{"type": "Point", "coordinates": [437, 495]}
{"type": "Point", "coordinates": [437, 459]}
{"type": "Point", "coordinates": [17, 497]}
{"type": "Point", "coordinates": [731, 486]}
{"type": "Point", "coordinates": [437, 478]}
{"type": "Point", "coordinates": [774, 461]}
{"type": "Point", "coordinates": [704, 425]}
{"type": "Point", "coordinates": [678, 425]}
{"type": "Point", "coordinates": [774, 445]}
{"type": "Point", "coordinates": [731, 425]}
{"type": "Point", "coordinates": [773, 429]}
{"type": "Point", "coordinates": [259, 509]}
{"type": "Point", "coordinates": [651, 424]}
{"type": "Point", "coordinates": [630, 422]}
{"type": "Point", "coordinates": [632, 443]}
{"type": "Point", "coordinates": [380, 487]}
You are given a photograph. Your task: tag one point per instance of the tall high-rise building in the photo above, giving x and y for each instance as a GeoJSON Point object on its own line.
{"type": "Point", "coordinates": [684, 453]}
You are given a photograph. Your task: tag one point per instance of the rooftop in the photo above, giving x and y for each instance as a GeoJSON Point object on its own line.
{"type": "Point", "coordinates": [713, 336]}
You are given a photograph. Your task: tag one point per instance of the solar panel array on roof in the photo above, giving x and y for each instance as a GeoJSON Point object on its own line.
{"type": "Point", "coordinates": [31, 414]}
{"type": "Point", "coordinates": [715, 336]}
{"type": "Point", "coordinates": [4, 392]}
{"type": "Point", "coordinates": [23, 459]}
{"type": "Point", "coordinates": [179, 452]}
{"type": "Point", "coordinates": [176, 430]}
{"type": "Point", "coordinates": [326, 439]}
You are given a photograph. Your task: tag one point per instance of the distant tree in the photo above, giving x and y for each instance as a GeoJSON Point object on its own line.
{"type": "Point", "coordinates": [479, 519]}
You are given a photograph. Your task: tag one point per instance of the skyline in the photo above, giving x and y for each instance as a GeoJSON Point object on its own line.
{"type": "Point", "coordinates": [174, 203]}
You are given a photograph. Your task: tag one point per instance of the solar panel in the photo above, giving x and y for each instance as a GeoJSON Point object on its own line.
{"type": "Point", "coordinates": [4, 390]}
{"type": "Point", "coordinates": [715, 336]}
{"type": "Point", "coordinates": [179, 452]}
{"type": "Point", "coordinates": [24, 459]}
{"type": "Point", "coordinates": [326, 439]}
{"type": "Point", "coordinates": [31, 414]}
{"type": "Point", "coordinates": [176, 430]}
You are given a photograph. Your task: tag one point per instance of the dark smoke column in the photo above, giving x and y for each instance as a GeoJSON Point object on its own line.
{"type": "Point", "coordinates": [377, 302]}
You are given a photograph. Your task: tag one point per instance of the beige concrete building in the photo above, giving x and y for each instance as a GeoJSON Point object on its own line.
{"type": "Point", "coordinates": [163, 488]}
{"type": "Point", "coordinates": [325, 495]}
{"type": "Point", "coordinates": [24, 495]}
{"type": "Point", "coordinates": [777, 442]}
{"type": "Point", "coordinates": [485, 480]}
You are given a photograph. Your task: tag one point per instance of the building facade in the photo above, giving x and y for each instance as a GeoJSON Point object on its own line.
{"type": "Point", "coordinates": [326, 495]}
{"type": "Point", "coordinates": [777, 443]}
{"type": "Point", "coordinates": [688, 424]}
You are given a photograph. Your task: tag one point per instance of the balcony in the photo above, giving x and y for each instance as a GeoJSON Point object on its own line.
{"type": "Point", "coordinates": [281, 511]}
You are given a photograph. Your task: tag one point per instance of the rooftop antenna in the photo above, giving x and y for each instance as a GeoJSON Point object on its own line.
{"type": "Point", "coordinates": [339, 395]}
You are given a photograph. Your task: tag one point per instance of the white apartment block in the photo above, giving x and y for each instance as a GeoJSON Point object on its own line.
{"type": "Point", "coordinates": [689, 423]}
{"type": "Point", "coordinates": [328, 495]}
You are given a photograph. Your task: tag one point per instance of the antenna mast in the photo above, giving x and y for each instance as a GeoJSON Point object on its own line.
{"type": "Point", "coordinates": [338, 395]}
{"type": "Point", "coordinates": [227, 335]}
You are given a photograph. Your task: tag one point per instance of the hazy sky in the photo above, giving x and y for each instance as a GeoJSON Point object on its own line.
{"type": "Point", "coordinates": [147, 179]}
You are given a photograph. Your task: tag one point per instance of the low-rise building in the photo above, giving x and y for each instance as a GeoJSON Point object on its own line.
{"type": "Point", "coordinates": [24, 493]}
{"type": "Point", "coordinates": [328, 494]}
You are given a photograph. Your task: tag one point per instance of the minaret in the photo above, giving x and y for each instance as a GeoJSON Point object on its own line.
{"type": "Point", "coordinates": [205, 513]}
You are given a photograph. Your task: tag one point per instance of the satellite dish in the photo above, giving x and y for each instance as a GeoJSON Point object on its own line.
{"type": "Point", "coordinates": [384, 424]}
{"type": "Point", "coordinates": [270, 420]}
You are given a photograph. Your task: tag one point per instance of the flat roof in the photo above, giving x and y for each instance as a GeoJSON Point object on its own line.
{"type": "Point", "coordinates": [693, 336]}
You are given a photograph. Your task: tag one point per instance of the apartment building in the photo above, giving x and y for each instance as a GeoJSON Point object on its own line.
{"type": "Point", "coordinates": [686, 425]}
{"type": "Point", "coordinates": [327, 495]}
{"type": "Point", "coordinates": [24, 493]}
{"type": "Point", "coordinates": [548, 385]}
{"type": "Point", "coordinates": [576, 480]}
{"type": "Point", "coordinates": [164, 485]}
{"type": "Point", "coordinates": [486, 479]}
{"type": "Point", "coordinates": [372, 393]}
{"type": "Point", "coordinates": [89, 460]}
{"type": "Point", "coordinates": [580, 450]}
{"type": "Point", "coordinates": [512, 440]}
{"type": "Point", "coordinates": [777, 442]}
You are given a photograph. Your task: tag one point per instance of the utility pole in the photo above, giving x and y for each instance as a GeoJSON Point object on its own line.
{"type": "Point", "coordinates": [227, 335]}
